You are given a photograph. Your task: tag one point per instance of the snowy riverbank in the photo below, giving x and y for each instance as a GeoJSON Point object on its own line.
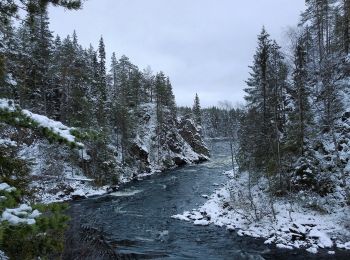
{"type": "Point", "coordinates": [298, 223]}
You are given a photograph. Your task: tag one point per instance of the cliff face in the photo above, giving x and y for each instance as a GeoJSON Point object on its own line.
{"type": "Point", "coordinates": [191, 134]}
{"type": "Point", "coordinates": [162, 146]}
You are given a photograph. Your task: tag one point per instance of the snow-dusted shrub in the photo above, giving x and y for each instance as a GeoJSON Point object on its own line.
{"type": "Point", "coordinates": [252, 202]}
{"type": "Point", "coordinates": [308, 175]}
{"type": "Point", "coordinates": [14, 171]}
{"type": "Point", "coordinates": [43, 239]}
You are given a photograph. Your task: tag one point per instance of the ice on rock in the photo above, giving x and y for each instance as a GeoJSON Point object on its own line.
{"type": "Point", "coordinates": [201, 222]}
{"type": "Point", "coordinates": [283, 246]}
{"type": "Point", "coordinates": [343, 245]}
{"type": "Point", "coordinates": [312, 250]}
{"type": "Point", "coordinates": [323, 240]}
{"type": "Point", "coordinates": [180, 217]}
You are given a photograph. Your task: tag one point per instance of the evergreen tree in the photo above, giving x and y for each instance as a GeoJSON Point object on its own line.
{"type": "Point", "coordinates": [258, 96]}
{"type": "Point", "coordinates": [101, 84]}
{"type": "Point", "coordinates": [148, 85]}
{"type": "Point", "coordinates": [8, 56]}
{"type": "Point", "coordinates": [36, 45]}
{"type": "Point", "coordinates": [266, 98]}
{"type": "Point", "coordinates": [197, 111]}
{"type": "Point", "coordinates": [300, 117]}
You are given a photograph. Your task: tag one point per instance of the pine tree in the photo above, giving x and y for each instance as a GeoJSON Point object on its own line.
{"type": "Point", "coordinates": [113, 76]}
{"type": "Point", "coordinates": [266, 94]}
{"type": "Point", "coordinates": [258, 96]}
{"type": "Point", "coordinates": [54, 96]}
{"type": "Point", "coordinates": [148, 85]}
{"type": "Point", "coordinates": [197, 111]}
{"type": "Point", "coordinates": [8, 59]}
{"type": "Point", "coordinates": [101, 85]}
{"type": "Point", "coordinates": [36, 46]}
{"type": "Point", "coordinates": [300, 118]}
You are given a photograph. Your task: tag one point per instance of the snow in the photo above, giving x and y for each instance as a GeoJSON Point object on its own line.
{"type": "Point", "coordinates": [283, 246]}
{"type": "Point", "coordinates": [3, 256]}
{"type": "Point", "coordinates": [43, 121]}
{"type": "Point", "coordinates": [80, 189]}
{"type": "Point", "coordinates": [324, 240]}
{"type": "Point", "coordinates": [24, 214]}
{"type": "Point", "coordinates": [201, 222]}
{"type": "Point", "coordinates": [312, 250]}
{"type": "Point", "coordinates": [341, 245]}
{"type": "Point", "coordinates": [180, 217]}
{"type": "Point", "coordinates": [7, 104]}
{"type": "Point", "coordinates": [127, 193]}
{"type": "Point", "coordinates": [55, 126]}
{"type": "Point", "coordinates": [69, 178]}
{"type": "Point", "coordinates": [5, 187]}
{"type": "Point", "coordinates": [7, 143]}
{"type": "Point", "coordinates": [296, 224]}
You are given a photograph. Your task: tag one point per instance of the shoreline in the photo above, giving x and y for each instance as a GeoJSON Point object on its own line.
{"type": "Point", "coordinates": [293, 229]}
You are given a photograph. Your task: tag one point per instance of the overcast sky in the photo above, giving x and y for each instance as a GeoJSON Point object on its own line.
{"type": "Point", "coordinates": [205, 46]}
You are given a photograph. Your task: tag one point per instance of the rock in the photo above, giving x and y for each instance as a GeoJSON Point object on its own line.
{"type": "Point", "coordinates": [179, 161]}
{"type": "Point", "coordinates": [78, 197]}
{"type": "Point", "coordinates": [298, 229]}
{"type": "Point", "coordinates": [139, 152]}
{"type": "Point", "coordinates": [296, 236]}
{"type": "Point", "coordinates": [346, 116]}
{"type": "Point", "coordinates": [226, 205]}
{"type": "Point", "coordinates": [112, 188]}
{"type": "Point", "coordinates": [191, 134]}
{"type": "Point", "coordinates": [68, 190]}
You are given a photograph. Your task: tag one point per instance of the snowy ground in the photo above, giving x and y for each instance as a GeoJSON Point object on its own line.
{"type": "Point", "coordinates": [296, 224]}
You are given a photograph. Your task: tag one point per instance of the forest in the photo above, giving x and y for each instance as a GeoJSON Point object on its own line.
{"type": "Point", "coordinates": [75, 125]}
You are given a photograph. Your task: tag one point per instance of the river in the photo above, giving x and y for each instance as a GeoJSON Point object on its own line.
{"type": "Point", "coordinates": [136, 223]}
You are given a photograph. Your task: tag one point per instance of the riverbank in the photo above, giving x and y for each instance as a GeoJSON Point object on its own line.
{"type": "Point", "coordinates": [298, 224]}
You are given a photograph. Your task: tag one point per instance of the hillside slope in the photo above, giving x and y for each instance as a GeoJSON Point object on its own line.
{"type": "Point", "coordinates": [61, 157]}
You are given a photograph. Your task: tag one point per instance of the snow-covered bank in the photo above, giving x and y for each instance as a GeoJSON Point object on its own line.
{"type": "Point", "coordinates": [297, 224]}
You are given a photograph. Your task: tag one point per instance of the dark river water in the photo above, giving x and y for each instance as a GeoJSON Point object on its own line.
{"type": "Point", "coordinates": [136, 223]}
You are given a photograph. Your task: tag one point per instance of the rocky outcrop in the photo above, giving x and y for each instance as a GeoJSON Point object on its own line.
{"type": "Point", "coordinates": [176, 144]}
{"type": "Point", "coordinates": [191, 134]}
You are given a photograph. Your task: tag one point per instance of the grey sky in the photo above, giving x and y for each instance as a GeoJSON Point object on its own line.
{"type": "Point", "coordinates": [205, 46]}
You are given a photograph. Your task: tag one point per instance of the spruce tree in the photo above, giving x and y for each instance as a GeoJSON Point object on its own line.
{"type": "Point", "coordinates": [196, 110]}
{"type": "Point", "coordinates": [300, 117]}
{"type": "Point", "coordinates": [36, 43]}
